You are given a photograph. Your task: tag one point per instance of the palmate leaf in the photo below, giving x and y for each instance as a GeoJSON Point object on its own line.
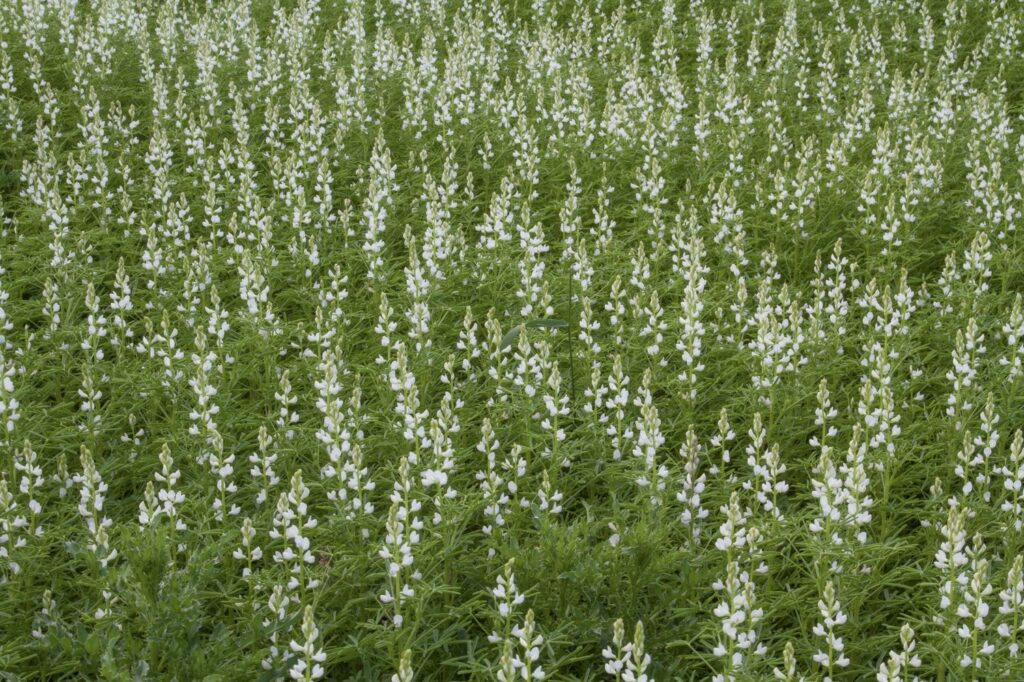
{"type": "Point", "coordinates": [512, 335]}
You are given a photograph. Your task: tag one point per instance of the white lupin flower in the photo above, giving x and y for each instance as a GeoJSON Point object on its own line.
{"type": "Point", "coordinates": [898, 667]}
{"type": "Point", "coordinates": [615, 404]}
{"type": "Point", "coordinates": [121, 305]}
{"type": "Point", "coordinates": [91, 500]}
{"type": "Point", "coordinates": [248, 551]}
{"type": "Point", "coordinates": [405, 673]}
{"type": "Point", "coordinates": [277, 604]}
{"type": "Point", "coordinates": [737, 612]}
{"type": "Point", "coordinates": [506, 598]}
{"type": "Point", "coordinates": [307, 656]}
{"type": "Point", "coordinates": [402, 533]}
{"type": "Point", "coordinates": [26, 461]}
{"type": "Point", "coordinates": [287, 416]}
{"type": "Point", "coordinates": [627, 662]}
{"type": "Point", "coordinates": [1011, 607]}
{"type": "Point", "coordinates": [767, 468]}
{"type": "Point", "coordinates": [692, 485]}
{"type": "Point", "coordinates": [973, 609]}
{"type": "Point", "coordinates": [12, 526]}
{"type": "Point", "coordinates": [969, 345]}
{"type": "Point", "coordinates": [788, 671]}
{"type": "Point", "coordinates": [649, 439]}
{"type": "Point", "coordinates": [530, 642]}
{"type": "Point", "coordinates": [380, 190]}
{"type": "Point", "coordinates": [1013, 332]}
{"type": "Point", "coordinates": [263, 465]}
{"type": "Point", "coordinates": [832, 617]}
{"type": "Point", "coordinates": [688, 261]}
{"type": "Point", "coordinates": [165, 501]}
{"type": "Point", "coordinates": [950, 558]}
{"type": "Point", "coordinates": [95, 325]}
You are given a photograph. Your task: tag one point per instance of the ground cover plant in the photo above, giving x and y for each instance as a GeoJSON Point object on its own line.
{"type": "Point", "coordinates": [493, 340]}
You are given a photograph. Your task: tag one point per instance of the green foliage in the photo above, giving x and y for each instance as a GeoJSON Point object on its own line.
{"type": "Point", "coordinates": [430, 295]}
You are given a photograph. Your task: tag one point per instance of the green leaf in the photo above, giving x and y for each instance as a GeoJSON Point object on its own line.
{"type": "Point", "coordinates": [93, 644]}
{"type": "Point", "coordinates": [547, 323]}
{"type": "Point", "coordinates": [511, 336]}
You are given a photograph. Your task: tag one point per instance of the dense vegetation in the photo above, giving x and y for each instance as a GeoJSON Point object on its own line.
{"type": "Point", "coordinates": [479, 339]}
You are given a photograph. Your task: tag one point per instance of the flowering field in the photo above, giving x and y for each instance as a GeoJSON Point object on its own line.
{"type": "Point", "coordinates": [622, 340]}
